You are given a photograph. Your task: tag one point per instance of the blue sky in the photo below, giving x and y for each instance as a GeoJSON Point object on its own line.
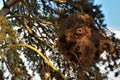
{"type": "Point", "coordinates": [111, 11]}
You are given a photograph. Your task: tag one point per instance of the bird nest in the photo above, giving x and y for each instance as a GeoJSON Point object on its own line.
{"type": "Point", "coordinates": [80, 41]}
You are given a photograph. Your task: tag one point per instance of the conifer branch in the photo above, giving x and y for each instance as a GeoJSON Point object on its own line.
{"type": "Point", "coordinates": [44, 57]}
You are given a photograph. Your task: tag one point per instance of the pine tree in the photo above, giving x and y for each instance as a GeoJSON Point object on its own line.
{"type": "Point", "coordinates": [29, 40]}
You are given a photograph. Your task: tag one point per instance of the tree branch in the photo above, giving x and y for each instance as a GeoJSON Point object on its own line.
{"type": "Point", "coordinates": [44, 57]}
{"type": "Point", "coordinates": [32, 32]}
{"type": "Point", "coordinates": [76, 6]}
{"type": "Point", "coordinates": [7, 5]}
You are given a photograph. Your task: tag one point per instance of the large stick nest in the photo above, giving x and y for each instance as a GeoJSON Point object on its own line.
{"type": "Point", "coordinates": [80, 41]}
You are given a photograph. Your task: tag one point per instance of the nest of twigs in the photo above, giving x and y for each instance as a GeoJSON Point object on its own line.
{"type": "Point", "coordinates": [80, 41]}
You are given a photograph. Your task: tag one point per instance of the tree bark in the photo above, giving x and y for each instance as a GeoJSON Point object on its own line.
{"type": "Point", "coordinates": [7, 5]}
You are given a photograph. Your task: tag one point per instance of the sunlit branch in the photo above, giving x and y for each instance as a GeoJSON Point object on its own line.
{"type": "Point", "coordinates": [43, 56]}
{"type": "Point", "coordinates": [31, 31]}
{"type": "Point", "coordinates": [35, 35]}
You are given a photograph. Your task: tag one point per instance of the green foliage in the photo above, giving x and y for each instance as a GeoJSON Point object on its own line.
{"type": "Point", "coordinates": [7, 34]}
{"type": "Point", "coordinates": [9, 57]}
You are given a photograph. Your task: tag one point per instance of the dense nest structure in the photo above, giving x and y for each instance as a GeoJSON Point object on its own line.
{"type": "Point", "coordinates": [80, 41]}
